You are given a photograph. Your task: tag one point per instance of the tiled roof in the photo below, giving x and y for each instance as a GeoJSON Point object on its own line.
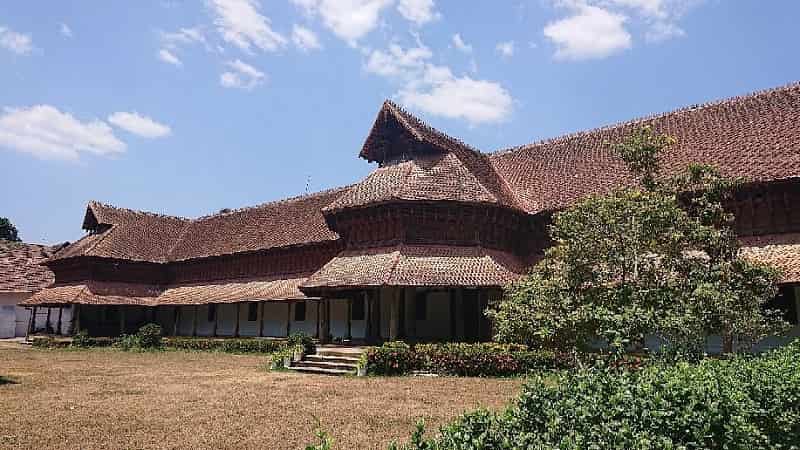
{"type": "Point", "coordinates": [19, 266]}
{"type": "Point", "coordinates": [113, 293]}
{"type": "Point", "coordinates": [756, 137]}
{"type": "Point", "coordinates": [140, 236]}
{"type": "Point", "coordinates": [779, 250]}
{"type": "Point", "coordinates": [416, 265]}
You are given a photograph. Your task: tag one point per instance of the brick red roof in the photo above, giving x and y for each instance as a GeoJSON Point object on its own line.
{"type": "Point", "coordinates": [19, 266]}
{"type": "Point", "coordinates": [756, 137]}
{"type": "Point", "coordinates": [778, 250]}
{"type": "Point", "coordinates": [416, 265]}
{"type": "Point", "coordinates": [114, 293]}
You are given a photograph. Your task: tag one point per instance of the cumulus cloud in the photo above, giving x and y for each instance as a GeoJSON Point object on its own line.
{"type": "Point", "coordinates": [436, 90]}
{"type": "Point", "coordinates": [418, 11]}
{"type": "Point", "coordinates": [47, 133]}
{"type": "Point", "coordinates": [304, 38]}
{"type": "Point", "coordinates": [350, 20]}
{"type": "Point", "coordinates": [505, 49]}
{"type": "Point", "coordinates": [139, 125]}
{"type": "Point", "coordinates": [65, 30]}
{"type": "Point", "coordinates": [590, 32]}
{"type": "Point", "coordinates": [169, 57]}
{"type": "Point", "coordinates": [241, 76]}
{"type": "Point", "coordinates": [19, 43]}
{"type": "Point", "coordinates": [241, 23]}
{"type": "Point", "coordinates": [660, 16]}
{"type": "Point", "coordinates": [460, 44]}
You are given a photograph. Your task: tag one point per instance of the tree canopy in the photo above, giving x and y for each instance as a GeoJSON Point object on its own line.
{"type": "Point", "coordinates": [8, 231]}
{"type": "Point", "coordinates": [658, 258]}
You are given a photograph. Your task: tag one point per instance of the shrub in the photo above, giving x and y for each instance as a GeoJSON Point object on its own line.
{"type": "Point", "coordinates": [149, 336]}
{"type": "Point", "coordinates": [241, 345]}
{"type": "Point", "coordinates": [82, 339]}
{"type": "Point", "coordinates": [744, 402]}
{"type": "Point", "coordinates": [278, 358]}
{"type": "Point", "coordinates": [303, 339]}
{"type": "Point", "coordinates": [43, 342]}
{"type": "Point", "coordinates": [481, 359]}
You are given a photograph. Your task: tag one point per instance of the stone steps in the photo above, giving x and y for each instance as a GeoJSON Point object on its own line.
{"type": "Point", "coordinates": [329, 361]}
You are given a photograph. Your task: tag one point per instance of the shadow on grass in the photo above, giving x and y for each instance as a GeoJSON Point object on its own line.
{"type": "Point", "coordinates": [5, 380]}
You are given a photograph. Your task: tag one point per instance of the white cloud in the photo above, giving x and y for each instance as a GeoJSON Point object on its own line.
{"type": "Point", "coordinates": [460, 44]}
{"type": "Point", "coordinates": [650, 8]}
{"type": "Point", "coordinates": [19, 43]}
{"type": "Point", "coordinates": [139, 125]}
{"type": "Point", "coordinates": [240, 23]}
{"type": "Point", "coordinates": [241, 76]}
{"type": "Point", "coordinates": [591, 32]}
{"type": "Point", "coordinates": [184, 36]}
{"type": "Point", "coordinates": [304, 38]}
{"type": "Point", "coordinates": [662, 31]}
{"type": "Point", "coordinates": [505, 49]}
{"type": "Point", "coordinates": [436, 90]}
{"type": "Point", "coordinates": [169, 57]}
{"type": "Point", "coordinates": [65, 30]}
{"type": "Point", "coordinates": [660, 16]}
{"type": "Point", "coordinates": [350, 20]}
{"type": "Point", "coordinates": [418, 11]}
{"type": "Point", "coordinates": [47, 133]}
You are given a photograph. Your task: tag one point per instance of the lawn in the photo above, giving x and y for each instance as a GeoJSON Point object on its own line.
{"type": "Point", "coordinates": [105, 398]}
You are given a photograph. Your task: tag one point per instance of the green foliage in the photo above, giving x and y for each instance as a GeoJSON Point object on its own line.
{"type": "Point", "coordinates": [127, 342]}
{"type": "Point", "coordinates": [278, 358]}
{"type": "Point", "coordinates": [657, 260]}
{"type": "Point", "coordinates": [149, 336]}
{"type": "Point", "coordinates": [82, 339]}
{"type": "Point", "coordinates": [324, 441]}
{"type": "Point", "coordinates": [300, 338]}
{"type": "Point", "coordinates": [461, 359]}
{"type": "Point", "coordinates": [43, 342]}
{"type": "Point", "coordinates": [8, 231]}
{"type": "Point", "coordinates": [744, 402]}
{"type": "Point", "coordinates": [240, 345]}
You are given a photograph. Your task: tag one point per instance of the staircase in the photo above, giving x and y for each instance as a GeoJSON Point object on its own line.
{"type": "Point", "coordinates": [330, 360]}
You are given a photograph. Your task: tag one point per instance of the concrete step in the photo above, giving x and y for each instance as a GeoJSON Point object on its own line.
{"type": "Point", "coordinates": [324, 365]}
{"type": "Point", "coordinates": [332, 359]}
{"type": "Point", "coordinates": [339, 353]}
{"type": "Point", "coordinates": [320, 371]}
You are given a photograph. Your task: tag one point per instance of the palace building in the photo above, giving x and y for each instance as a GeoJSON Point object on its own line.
{"type": "Point", "coordinates": [418, 248]}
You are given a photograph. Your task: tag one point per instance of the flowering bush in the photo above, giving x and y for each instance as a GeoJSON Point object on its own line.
{"type": "Point", "coordinates": [461, 359]}
{"type": "Point", "coordinates": [241, 345]}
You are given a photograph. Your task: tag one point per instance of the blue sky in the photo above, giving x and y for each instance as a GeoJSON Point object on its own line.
{"type": "Point", "coordinates": [187, 107]}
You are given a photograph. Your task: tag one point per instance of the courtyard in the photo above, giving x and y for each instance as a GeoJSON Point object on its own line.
{"type": "Point", "coordinates": [104, 398]}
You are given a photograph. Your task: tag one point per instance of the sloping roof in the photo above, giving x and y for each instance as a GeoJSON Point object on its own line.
{"type": "Point", "coordinates": [142, 236]}
{"type": "Point", "coordinates": [756, 137]}
{"type": "Point", "coordinates": [416, 265]}
{"type": "Point", "coordinates": [114, 293]}
{"type": "Point", "coordinates": [19, 266]}
{"type": "Point", "coordinates": [778, 250]}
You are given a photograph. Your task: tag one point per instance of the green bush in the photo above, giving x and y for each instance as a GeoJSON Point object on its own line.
{"type": "Point", "coordinates": [149, 336]}
{"type": "Point", "coordinates": [240, 345]}
{"type": "Point", "coordinates": [741, 403]}
{"type": "Point", "coordinates": [303, 339]}
{"type": "Point", "coordinates": [82, 339]}
{"type": "Point", "coordinates": [461, 359]}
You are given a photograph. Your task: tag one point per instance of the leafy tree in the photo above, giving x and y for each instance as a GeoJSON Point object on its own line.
{"type": "Point", "coordinates": [8, 231]}
{"type": "Point", "coordinates": [657, 259]}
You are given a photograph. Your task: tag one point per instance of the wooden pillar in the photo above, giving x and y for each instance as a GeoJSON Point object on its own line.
{"type": "Point", "coordinates": [394, 313]}
{"type": "Point", "coordinates": [367, 299]}
{"type": "Point", "coordinates": [288, 318]}
{"type": "Point", "coordinates": [47, 321]}
{"type": "Point", "coordinates": [121, 320]}
{"type": "Point", "coordinates": [411, 302]}
{"type": "Point", "coordinates": [176, 315]}
{"type": "Point", "coordinates": [349, 335]}
{"type": "Point", "coordinates": [326, 328]}
{"type": "Point", "coordinates": [378, 318]}
{"type": "Point", "coordinates": [453, 331]}
{"type": "Point", "coordinates": [58, 326]}
{"type": "Point", "coordinates": [194, 321]}
{"type": "Point", "coordinates": [76, 319]}
{"type": "Point", "coordinates": [32, 327]}
{"type": "Point", "coordinates": [216, 319]}
{"type": "Point", "coordinates": [319, 331]}
{"type": "Point", "coordinates": [261, 306]}
{"type": "Point", "coordinates": [238, 314]}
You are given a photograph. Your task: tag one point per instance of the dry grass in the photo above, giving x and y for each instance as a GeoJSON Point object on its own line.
{"type": "Point", "coordinates": [111, 399]}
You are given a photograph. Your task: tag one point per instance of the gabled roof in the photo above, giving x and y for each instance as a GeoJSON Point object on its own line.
{"type": "Point", "coordinates": [20, 269]}
{"type": "Point", "coordinates": [756, 137]}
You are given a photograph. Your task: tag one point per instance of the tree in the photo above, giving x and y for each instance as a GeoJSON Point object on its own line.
{"type": "Point", "coordinates": [660, 258]}
{"type": "Point", "coordinates": [8, 231]}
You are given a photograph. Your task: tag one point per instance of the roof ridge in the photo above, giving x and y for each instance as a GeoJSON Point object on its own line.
{"type": "Point", "coordinates": [275, 202]}
{"type": "Point", "coordinates": [136, 211]}
{"type": "Point", "coordinates": [415, 121]}
{"type": "Point", "coordinates": [646, 118]}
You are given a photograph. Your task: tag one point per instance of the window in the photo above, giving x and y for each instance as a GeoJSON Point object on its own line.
{"type": "Point", "coordinates": [252, 312]}
{"type": "Point", "coordinates": [785, 302]}
{"type": "Point", "coordinates": [300, 311]}
{"type": "Point", "coordinates": [358, 312]}
{"type": "Point", "coordinates": [421, 306]}
{"type": "Point", "coordinates": [212, 312]}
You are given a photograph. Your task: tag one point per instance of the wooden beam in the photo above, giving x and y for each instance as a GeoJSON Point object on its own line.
{"type": "Point", "coordinates": [288, 318]}
{"type": "Point", "coordinates": [367, 316]}
{"type": "Point", "coordinates": [349, 318]}
{"type": "Point", "coordinates": [319, 332]}
{"type": "Point", "coordinates": [32, 321]}
{"type": "Point", "coordinates": [47, 321]}
{"type": "Point", "coordinates": [175, 320]}
{"type": "Point", "coordinates": [60, 312]}
{"type": "Point", "coordinates": [216, 319]}
{"type": "Point", "coordinates": [261, 306]}
{"type": "Point", "coordinates": [238, 317]}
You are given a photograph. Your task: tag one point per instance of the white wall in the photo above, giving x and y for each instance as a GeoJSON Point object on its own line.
{"type": "Point", "coordinates": [14, 320]}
